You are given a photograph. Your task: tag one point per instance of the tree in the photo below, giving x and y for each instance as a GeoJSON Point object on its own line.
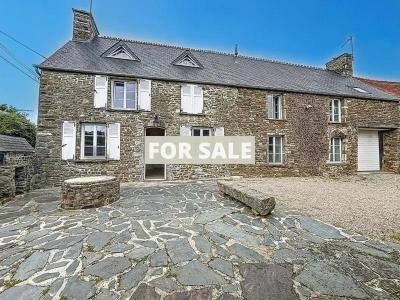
{"type": "Point", "coordinates": [15, 123]}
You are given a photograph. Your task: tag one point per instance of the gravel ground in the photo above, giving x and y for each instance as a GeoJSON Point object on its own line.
{"type": "Point", "coordinates": [367, 204]}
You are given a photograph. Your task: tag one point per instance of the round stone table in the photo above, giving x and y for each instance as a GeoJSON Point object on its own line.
{"type": "Point", "coordinates": [89, 192]}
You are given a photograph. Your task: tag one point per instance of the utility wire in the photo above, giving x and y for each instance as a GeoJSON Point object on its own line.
{"type": "Point", "coordinates": [9, 52]}
{"type": "Point", "coordinates": [15, 66]}
{"type": "Point", "coordinates": [27, 47]}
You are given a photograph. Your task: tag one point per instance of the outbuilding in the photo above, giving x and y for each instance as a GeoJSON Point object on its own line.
{"type": "Point", "coordinates": [16, 166]}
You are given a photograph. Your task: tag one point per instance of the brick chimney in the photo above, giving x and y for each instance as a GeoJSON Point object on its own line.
{"type": "Point", "coordinates": [84, 27]}
{"type": "Point", "coordinates": [342, 64]}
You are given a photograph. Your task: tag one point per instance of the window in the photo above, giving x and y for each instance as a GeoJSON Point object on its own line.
{"type": "Point", "coordinates": [360, 90]}
{"type": "Point", "coordinates": [201, 132]}
{"type": "Point", "coordinates": [124, 94]}
{"type": "Point", "coordinates": [335, 153]}
{"type": "Point", "coordinates": [192, 99]}
{"type": "Point", "coordinates": [93, 140]}
{"type": "Point", "coordinates": [275, 149]}
{"type": "Point", "coordinates": [121, 53]}
{"type": "Point", "coordinates": [335, 111]}
{"type": "Point", "coordinates": [274, 106]}
{"type": "Point", "coordinates": [2, 159]}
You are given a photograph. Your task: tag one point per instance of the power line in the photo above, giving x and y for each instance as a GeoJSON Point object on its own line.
{"type": "Point", "coordinates": [9, 52]}
{"type": "Point", "coordinates": [27, 47]}
{"type": "Point", "coordinates": [15, 66]}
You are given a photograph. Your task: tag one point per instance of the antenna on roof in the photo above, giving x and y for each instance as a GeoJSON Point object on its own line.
{"type": "Point", "coordinates": [351, 42]}
{"type": "Point", "coordinates": [236, 49]}
{"type": "Point", "coordinates": [91, 2]}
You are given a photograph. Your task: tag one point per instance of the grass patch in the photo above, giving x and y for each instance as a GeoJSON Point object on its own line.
{"type": "Point", "coordinates": [396, 237]}
{"type": "Point", "coordinates": [138, 260]}
{"type": "Point", "coordinates": [46, 290]}
{"type": "Point", "coordinates": [10, 283]}
{"type": "Point", "coordinates": [89, 248]}
{"type": "Point", "coordinates": [170, 274]}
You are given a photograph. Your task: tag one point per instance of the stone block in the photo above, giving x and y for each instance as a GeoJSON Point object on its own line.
{"type": "Point", "coordinates": [258, 201]}
{"type": "Point", "coordinates": [89, 192]}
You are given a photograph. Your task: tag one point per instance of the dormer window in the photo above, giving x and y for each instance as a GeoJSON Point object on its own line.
{"type": "Point", "coordinates": [120, 53]}
{"type": "Point", "coordinates": [187, 59]}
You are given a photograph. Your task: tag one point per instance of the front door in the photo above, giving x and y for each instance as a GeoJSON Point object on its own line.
{"type": "Point", "coordinates": [154, 172]}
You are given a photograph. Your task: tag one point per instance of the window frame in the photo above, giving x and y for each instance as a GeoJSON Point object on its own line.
{"type": "Point", "coordinates": [192, 98]}
{"type": "Point", "coordinates": [125, 82]}
{"type": "Point", "coordinates": [201, 131]}
{"type": "Point", "coordinates": [332, 151]}
{"type": "Point", "coordinates": [332, 111]}
{"type": "Point", "coordinates": [277, 110]}
{"type": "Point", "coordinates": [274, 137]}
{"type": "Point", "coordinates": [83, 156]}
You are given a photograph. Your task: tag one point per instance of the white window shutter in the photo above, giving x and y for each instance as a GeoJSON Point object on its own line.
{"type": "Point", "coordinates": [68, 140]}
{"type": "Point", "coordinates": [186, 99]}
{"type": "Point", "coordinates": [145, 94]}
{"type": "Point", "coordinates": [100, 91]}
{"type": "Point", "coordinates": [270, 106]}
{"type": "Point", "coordinates": [219, 131]}
{"type": "Point", "coordinates": [113, 141]}
{"type": "Point", "coordinates": [197, 99]}
{"type": "Point", "coordinates": [185, 130]}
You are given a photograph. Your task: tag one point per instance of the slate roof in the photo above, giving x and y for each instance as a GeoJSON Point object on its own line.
{"type": "Point", "coordinates": [14, 144]}
{"type": "Point", "coordinates": [391, 87]}
{"type": "Point", "coordinates": [218, 68]}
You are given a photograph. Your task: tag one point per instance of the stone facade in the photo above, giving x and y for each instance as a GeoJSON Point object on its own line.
{"type": "Point", "coordinates": [66, 96]}
{"type": "Point", "coordinates": [84, 26]}
{"type": "Point", "coordinates": [16, 174]}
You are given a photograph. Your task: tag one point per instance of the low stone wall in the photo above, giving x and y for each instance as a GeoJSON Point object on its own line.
{"type": "Point", "coordinates": [89, 192]}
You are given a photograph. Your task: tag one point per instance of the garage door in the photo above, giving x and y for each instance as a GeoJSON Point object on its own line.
{"type": "Point", "coordinates": [368, 150]}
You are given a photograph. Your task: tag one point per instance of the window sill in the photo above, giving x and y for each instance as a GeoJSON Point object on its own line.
{"type": "Point", "coordinates": [190, 114]}
{"type": "Point", "coordinates": [336, 123]}
{"type": "Point", "coordinates": [124, 110]}
{"type": "Point", "coordinates": [91, 160]}
{"type": "Point", "coordinates": [281, 165]}
{"type": "Point", "coordinates": [336, 163]}
{"type": "Point", "coordinates": [281, 120]}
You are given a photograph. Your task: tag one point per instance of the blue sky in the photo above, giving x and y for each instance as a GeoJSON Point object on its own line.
{"type": "Point", "coordinates": [307, 32]}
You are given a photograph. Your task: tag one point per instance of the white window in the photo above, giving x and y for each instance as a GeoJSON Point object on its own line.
{"type": "Point", "coordinates": [335, 152]}
{"type": "Point", "coordinates": [201, 131]}
{"type": "Point", "coordinates": [192, 99]}
{"type": "Point", "coordinates": [335, 111]}
{"type": "Point", "coordinates": [275, 149]}
{"type": "Point", "coordinates": [274, 106]}
{"type": "Point", "coordinates": [124, 95]}
{"type": "Point", "coordinates": [93, 141]}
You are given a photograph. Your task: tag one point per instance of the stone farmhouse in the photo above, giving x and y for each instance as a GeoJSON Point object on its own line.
{"type": "Point", "coordinates": [101, 96]}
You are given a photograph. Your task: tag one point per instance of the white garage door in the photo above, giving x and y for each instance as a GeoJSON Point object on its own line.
{"type": "Point", "coordinates": [368, 150]}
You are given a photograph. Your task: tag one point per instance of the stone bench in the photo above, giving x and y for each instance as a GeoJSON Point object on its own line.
{"type": "Point", "coordinates": [89, 192]}
{"type": "Point", "coordinates": [261, 203]}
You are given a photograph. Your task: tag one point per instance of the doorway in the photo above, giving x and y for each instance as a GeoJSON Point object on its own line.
{"type": "Point", "coordinates": [154, 172]}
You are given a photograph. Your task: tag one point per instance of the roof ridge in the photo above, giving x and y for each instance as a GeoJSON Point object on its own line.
{"type": "Point", "coordinates": [212, 51]}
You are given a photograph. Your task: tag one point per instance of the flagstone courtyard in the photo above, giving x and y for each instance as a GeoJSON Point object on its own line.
{"type": "Point", "coordinates": [184, 241]}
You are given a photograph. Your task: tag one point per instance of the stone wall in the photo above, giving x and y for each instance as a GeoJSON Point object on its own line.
{"type": "Point", "coordinates": [241, 111]}
{"type": "Point", "coordinates": [21, 163]}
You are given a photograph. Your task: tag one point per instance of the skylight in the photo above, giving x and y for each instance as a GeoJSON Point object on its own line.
{"type": "Point", "coordinates": [360, 90]}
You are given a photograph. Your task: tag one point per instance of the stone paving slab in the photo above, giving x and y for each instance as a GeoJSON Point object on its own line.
{"type": "Point", "coordinates": [184, 241]}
